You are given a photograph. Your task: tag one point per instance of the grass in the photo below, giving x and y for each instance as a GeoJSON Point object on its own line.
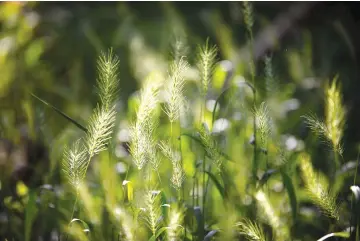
{"type": "Point", "coordinates": [188, 179]}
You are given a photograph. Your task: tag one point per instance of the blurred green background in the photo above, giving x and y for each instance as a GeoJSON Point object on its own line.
{"type": "Point", "coordinates": [51, 48]}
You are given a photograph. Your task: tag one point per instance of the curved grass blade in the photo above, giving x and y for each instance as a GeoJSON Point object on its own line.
{"type": "Point", "coordinates": [338, 234]}
{"type": "Point", "coordinates": [220, 188]}
{"type": "Point", "coordinates": [77, 124]}
{"type": "Point", "coordinates": [217, 102]}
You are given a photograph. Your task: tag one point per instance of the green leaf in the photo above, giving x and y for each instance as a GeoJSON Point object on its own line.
{"type": "Point", "coordinates": [30, 213]}
{"type": "Point", "coordinates": [61, 113]}
{"type": "Point", "coordinates": [219, 187]}
{"type": "Point", "coordinates": [291, 193]}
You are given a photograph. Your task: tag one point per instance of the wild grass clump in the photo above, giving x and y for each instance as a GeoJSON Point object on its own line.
{"type": "Point", "coordinates": [189, 182]}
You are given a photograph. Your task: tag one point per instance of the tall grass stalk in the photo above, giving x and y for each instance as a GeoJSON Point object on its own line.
{"type": "Point", "coordinates": [249, 22]}
{"type": "Point", "coordinates": [206, 63]}
{"type": "Point", "coordinates": [100, 127]}
{"type": "Point", "coordinates": [175, 96]}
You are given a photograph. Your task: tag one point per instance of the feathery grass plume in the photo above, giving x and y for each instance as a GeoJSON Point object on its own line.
{"type": "Point", "coordinates": [178, 175]}
{"type": "Point", "coordinates": [333, 127]}
{"type": "Point", "coordinates": [100, 128]}
{"type": "Point", "coordinates": [334, 114]}
{"type": "Point", "coordinates": [102, 121]}
{"type": "Point", "coordinates": [152, 210]}
{"type": "Point", "coordinates": [127, 224]}
{"type": "Point", "coordinates": [74, 164]}
{"type": "Point", "coordinates": [142, 131]}
{"type": "Point", "coordinates": [175, 88]}
{"type": "Point", "coordinates": [108, 81]}
{"type": "Point", "coordinates": [175, 228]}
{"type": "Point", "coordinates": [248, 15]}
{"type": "Point", "coordinates": [318, 188]}
{"type": "Point", "coordinates": [179, 48]}
{"type": "Point", "coordinates": [210, 145]}
{"type": "Point", "coordinates": [263, 122]}
{"type": "Point", "coordinates": [251, 230]}
{"type": "Point", "coordinates": [272, 85]}
{"type": "Point", "coordinates": [270, 216]}
{"type": "Point", "coordinates": [206, 64]}
{"type": "Point", "coordinates": [249, 22]}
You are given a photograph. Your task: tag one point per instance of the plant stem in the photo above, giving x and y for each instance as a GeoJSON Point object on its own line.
{"type": "Point", "coordinates": [208, 180]}
{"type": "Point", "coordinates": [204, 168]}
{"type": "Point", "coordinates": [204, 188]}
{"type": "Point", "coordinates": [73, 211]}
{"type": "Point", "coordinates": [252, 72]}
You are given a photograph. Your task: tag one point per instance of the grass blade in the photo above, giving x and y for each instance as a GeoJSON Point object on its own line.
{"type": "Point", "coordinates": [30, 214]}
{"type": "Point", "coordinates": [338, 234]}
{"type": "Point", "coordinates": [291, 193]}
{"type": "Point", "coordinates": [77, 124]}
{"type": "Point", "coordinates": [217, 102]}
{"type": "Point", "coordinates": [220, 188]}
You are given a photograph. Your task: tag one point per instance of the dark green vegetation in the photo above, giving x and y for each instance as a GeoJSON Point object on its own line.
{"type": "Point", "coordinates": [124, 123]}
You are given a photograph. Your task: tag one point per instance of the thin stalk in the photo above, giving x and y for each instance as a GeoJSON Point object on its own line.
{"type": "Point", "coordinates": [73, 211]}
{"type": "Point", "coordinates": [252, 70]}
{"type": "Point", "coordinates": [267, 168]}
{"type": "Point", "coordinates": [204, 168]}
{"type": "Point", "coordinates": [336, 166]}
{"type": "Point", "coordinates": [204, 187]}
{"type": "Point", "coordinates": [77, 192]}
{"type": "Point", "coordinates": [193, 204]}
{"type": "Point", "coordinates": [183, 186]}
{"type": "Point", "coordinates": [207, 180]}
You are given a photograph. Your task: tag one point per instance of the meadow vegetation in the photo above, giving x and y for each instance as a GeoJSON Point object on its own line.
{"type": "Point", "coordinates": [200, 159]}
